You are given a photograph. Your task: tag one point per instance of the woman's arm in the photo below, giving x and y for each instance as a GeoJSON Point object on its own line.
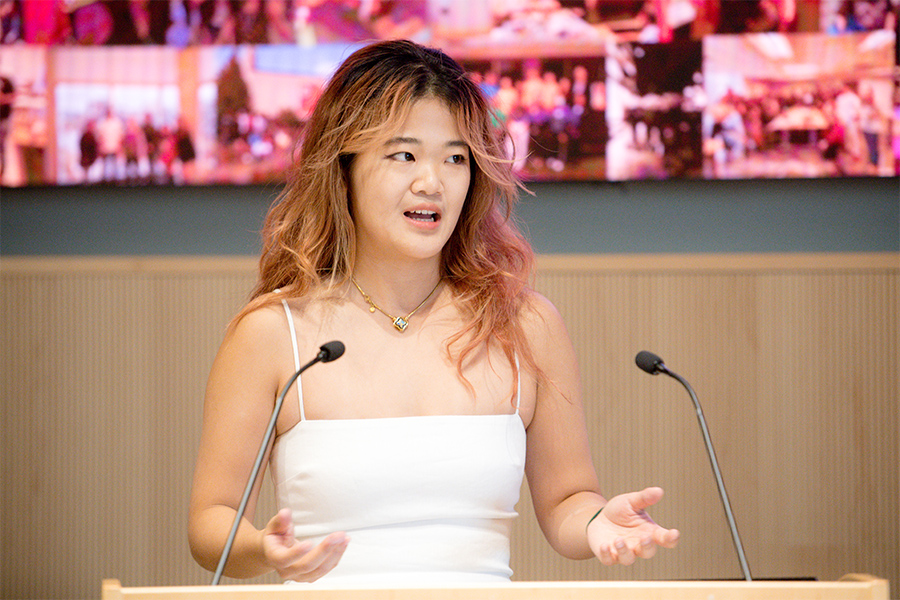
{"type": "Point", "coordinates": [561, 475]}
{"type": "Point", "coordinates": [564, 487]}
{"type": "Point", "coordinates": [240, 397]}
{"type": "Point", "coordinates": [239, 400]}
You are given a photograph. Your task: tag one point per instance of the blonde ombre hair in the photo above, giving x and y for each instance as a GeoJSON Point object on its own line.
{"type": "Point", "coordinates": [308, 237]}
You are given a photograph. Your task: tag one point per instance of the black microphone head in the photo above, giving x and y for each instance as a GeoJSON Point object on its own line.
{"type": "Point", "coordinates": [331, 351]}
{"type": "Point", "coordinates": [649, 362]}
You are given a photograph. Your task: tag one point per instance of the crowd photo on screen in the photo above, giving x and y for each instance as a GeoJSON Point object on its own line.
{"type": "Point", "coordinates": [196, 92]}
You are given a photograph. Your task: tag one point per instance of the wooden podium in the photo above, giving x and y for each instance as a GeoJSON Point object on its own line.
{"type": "Point", "coordinates": [849, 587]}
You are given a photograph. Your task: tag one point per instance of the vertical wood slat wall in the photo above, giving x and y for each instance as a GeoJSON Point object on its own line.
{"type": "Point", "coordinates": [794, 359]}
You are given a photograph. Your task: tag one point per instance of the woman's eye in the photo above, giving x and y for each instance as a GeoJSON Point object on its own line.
{"type": "Point", "coordinates": [403, 156]}
{"type": "Point", "coordinates": [457, 159]}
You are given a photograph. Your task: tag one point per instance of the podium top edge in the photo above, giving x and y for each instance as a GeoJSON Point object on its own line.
{"type": "Point", "coordinates": [850, 581]}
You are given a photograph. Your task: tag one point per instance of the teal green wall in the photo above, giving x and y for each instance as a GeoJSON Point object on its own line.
{"type": "Point", "coordinates": [820, 215]}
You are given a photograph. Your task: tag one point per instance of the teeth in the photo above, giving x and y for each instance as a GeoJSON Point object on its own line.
{"type": "Point", "coordinates": [423, 213]}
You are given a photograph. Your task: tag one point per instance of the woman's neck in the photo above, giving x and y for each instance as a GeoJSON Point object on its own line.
{"type": "Point", "coordinates": [397, 288]}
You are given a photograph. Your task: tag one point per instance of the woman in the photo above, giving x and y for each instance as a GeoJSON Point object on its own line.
{"type": "Point", "coordinates": [402, 461]}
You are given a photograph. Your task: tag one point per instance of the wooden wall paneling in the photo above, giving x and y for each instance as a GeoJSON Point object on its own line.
{"type": "Point", "coordinates": [794, 359]}
{"type": "Point", "coordinates": [82, 388]}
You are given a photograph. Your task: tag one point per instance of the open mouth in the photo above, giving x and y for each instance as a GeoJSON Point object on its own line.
{"type": "Point", "coordinates": [423, 215]}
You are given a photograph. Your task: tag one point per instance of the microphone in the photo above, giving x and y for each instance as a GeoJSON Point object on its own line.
{"type": "Point", "coordinates": [327, 353]}
{"type": "Point", "coordinates": [654, 365]}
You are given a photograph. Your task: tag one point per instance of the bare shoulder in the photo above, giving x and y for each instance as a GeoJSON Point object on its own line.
{"type": "Point", "coordinates": [265, 325]}
{"type": "Point", "coordinates": [273, 329]}
{"type": "Point", "coordinates": [538, 306]}
{"type": "Point", "coordinates": [258, 340]}
{"type": "Point", "coordinates": [543, 323]}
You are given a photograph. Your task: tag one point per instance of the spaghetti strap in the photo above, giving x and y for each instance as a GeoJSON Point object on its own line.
{"type": "Point", "coordinates": [518, 385]}
{"type": "Point", "coordinates": [290, 320]}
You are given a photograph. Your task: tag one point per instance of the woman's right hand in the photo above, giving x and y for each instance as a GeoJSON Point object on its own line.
{"type": "Point", "coordinates": [300, 561]}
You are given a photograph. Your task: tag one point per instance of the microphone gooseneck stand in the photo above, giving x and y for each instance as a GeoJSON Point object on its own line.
{"type": "Point", "coordinates": [654, 365]}
{"type": "Point", "coordinates": [327, 353]}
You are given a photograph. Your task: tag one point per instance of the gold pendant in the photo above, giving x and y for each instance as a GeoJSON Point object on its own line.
{"type": "Point", "coordinates": [401, 324]}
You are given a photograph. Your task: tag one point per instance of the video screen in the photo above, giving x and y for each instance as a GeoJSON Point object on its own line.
{"type": "Point", "coordinates": [199, 92]}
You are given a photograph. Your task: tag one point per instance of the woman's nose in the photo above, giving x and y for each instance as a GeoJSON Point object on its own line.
{"type": "Point", "coordinates": [428, 180]}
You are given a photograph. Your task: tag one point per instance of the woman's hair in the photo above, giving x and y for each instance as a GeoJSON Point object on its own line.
{"type": "Point", "coordinates": [309, 239]}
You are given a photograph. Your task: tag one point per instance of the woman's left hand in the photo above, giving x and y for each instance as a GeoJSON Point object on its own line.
{"type": "Point", "coordinates": [624, 531]}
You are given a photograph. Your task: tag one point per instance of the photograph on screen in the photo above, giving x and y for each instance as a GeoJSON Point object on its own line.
{"type": "Point", "coordinates": [654, 104]}
{"type": "Point", "coordinates": [24, 125]}
{"type": "Point", "coordinates": [118, 116]}
{"type": "Point", "coordinates": [254, 101]}
{"type": "Point", "coordinates": [554, 111]}
{"type": "Point", "coordinates": [804, 105]}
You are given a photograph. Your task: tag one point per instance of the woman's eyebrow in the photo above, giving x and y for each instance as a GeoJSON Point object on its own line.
{"type": "Point", "coordinates": [411, 140]}
{"type": "Point", "coordinates": [402, 140]}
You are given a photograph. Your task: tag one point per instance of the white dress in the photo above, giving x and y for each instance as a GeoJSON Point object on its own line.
{"type": "Point", "coordinates": [426, 499]}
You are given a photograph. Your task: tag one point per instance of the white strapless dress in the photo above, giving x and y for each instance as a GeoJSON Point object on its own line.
{"type": "Point", "coordinates": [426, 499]}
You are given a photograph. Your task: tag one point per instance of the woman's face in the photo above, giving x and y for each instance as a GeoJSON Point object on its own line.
{"type": "Point", "coordinates": [407, 193]}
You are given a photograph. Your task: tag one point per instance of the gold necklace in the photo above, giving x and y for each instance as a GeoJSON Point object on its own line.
{"type": "Point", "coordinates": [400, 323]}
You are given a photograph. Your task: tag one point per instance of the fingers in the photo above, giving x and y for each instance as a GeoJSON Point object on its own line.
{"type": "Point", "coordinates": [646, 498]}
{"type": "Point", "coordinates": [626, 551]}
{"type": "Point", "coordinates": [300, 561]}
{"type": "Point", "coordinates": [627, 531]}
{"type": "Point", "coordinates": [617, 553]}
{"type": "Point", "coordinates": [667, 538]}
{"type": "Point", "coordinates": [646, 548]}
{"type": "Point", "coordinates": [622, 509]}
{"type": "Point", "coordinates": [313, 563]}
{"type": "Point", "coordinates": [280, 524]}
{"type": "Point", "coordinates": [623, 552]}
{"type": "Point", "coordinates": [305, 561]}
